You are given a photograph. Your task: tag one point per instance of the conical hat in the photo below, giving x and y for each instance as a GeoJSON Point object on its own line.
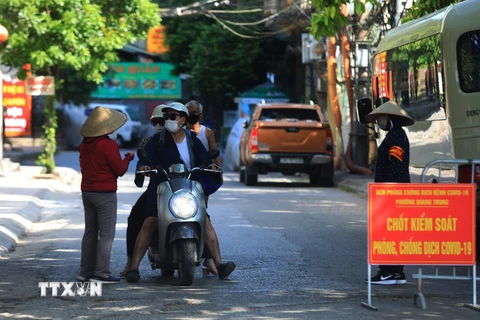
{"type": "Point", "coordinates": [390, 108]}
{"type": "Point", "coordinates": [102, 121]}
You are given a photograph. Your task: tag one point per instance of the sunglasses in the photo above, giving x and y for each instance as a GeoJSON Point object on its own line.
{"type": "Point", "coordinates": [170, 116]}
{"type": "Point", "coordinates": [159, 121]}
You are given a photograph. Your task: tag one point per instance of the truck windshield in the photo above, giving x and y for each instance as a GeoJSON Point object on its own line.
{"type": "Point", "coordinates": [280, 113]}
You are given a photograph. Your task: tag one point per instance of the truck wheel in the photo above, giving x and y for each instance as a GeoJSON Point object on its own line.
{"type": "Point", "coordinates": [242, 175]}
{"type": "Point", "coordinates": [327, 172]}
{"type": "Point", "coordinates": [187, 254]}
{"type": "Point", "coordinates": [326, 182]}
{"type": "Point", "coordinates": [251, 179]}
{"type": "Point", "coordinates": [314, 178]}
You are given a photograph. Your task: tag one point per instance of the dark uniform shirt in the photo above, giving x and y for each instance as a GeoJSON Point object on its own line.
{"type": "Point", "coordinates": [393, 157]}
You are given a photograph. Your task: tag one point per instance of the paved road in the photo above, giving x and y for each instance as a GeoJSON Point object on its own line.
{"type": "Point", "coordinates": [300, 252]}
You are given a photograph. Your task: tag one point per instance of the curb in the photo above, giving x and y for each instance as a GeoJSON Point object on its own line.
{"type": "Point", "coordinates": [14, 226]}
{"type": "Point", "coordinates": [16, 223]}
{"type": "Point", "coordinates": [352, 183]}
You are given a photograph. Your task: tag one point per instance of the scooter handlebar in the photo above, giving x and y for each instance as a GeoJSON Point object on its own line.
{"type": "Point", "coordinates": [217, 169]}
{"type": "Point", "coordinates": [147, 171]}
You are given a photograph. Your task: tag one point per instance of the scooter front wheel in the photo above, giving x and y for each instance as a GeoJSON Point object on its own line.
{"type": "Point", "coordinates": [187, 254]}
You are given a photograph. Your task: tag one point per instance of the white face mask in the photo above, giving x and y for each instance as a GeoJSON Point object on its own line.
{"type": "Point", "coordinates": [157, 128]}
{"type": "Point", "coordinates": [385, 125]}
{"type": "Point", "coordinates": [171, 125]}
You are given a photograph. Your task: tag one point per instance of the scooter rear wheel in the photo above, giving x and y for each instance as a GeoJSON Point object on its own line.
{"type": "Point", "coordinates": [187, 253]}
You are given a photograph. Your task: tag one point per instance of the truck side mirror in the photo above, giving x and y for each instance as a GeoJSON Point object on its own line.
{"type": "Point", "coordinates": [364, 107]}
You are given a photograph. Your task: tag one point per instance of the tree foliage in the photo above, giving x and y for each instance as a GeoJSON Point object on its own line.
{"type": "Point", "coordinates": [181, 35]}
{"type": "Point", "coordinates": [327, 18]}
{"type": "Point", "coordinates": [424, 7]}
{"type": "Point", "coordinates": [218, 61]}
{"type": "Point", "coordinates": [77, 36]}
{"type": "Point", "coordinates": [222, 62]}
{"type": "Point", "coordinates": [55, 35]}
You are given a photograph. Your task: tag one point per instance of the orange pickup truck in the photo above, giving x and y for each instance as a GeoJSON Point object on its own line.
{"type": "Point", "coordinates": [287, 138]}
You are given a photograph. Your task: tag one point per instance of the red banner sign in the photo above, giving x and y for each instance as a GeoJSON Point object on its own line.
{"type": "Point", "coordinates": [18, 109]}
{"type": "Point", "coordinates": [156, 40]}
{"type": "Point", "coordinates": [421, 224]}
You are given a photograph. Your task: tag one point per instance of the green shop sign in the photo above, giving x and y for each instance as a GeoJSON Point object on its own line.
{"type": "Point", "coordinates": [131, 80]}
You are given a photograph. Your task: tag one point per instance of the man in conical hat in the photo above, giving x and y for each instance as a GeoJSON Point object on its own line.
{"type": "Point", "coordinates": [101, 165]}
{"type": "Point", "coordinates": [392, 165]}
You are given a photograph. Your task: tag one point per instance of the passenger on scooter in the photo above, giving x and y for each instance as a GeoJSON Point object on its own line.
{"type": "Point", "coordinates": [205, 134]}
{"type": "Point", "coordinates": [176, 115]}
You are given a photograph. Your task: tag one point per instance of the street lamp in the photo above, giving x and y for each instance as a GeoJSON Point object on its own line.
{"type": "Point", "coordinates": [3, 38]}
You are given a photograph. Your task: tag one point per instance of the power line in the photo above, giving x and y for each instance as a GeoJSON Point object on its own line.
{"type": "Point", "coordinates": [264, 35]}
{"type": "Point", "coordinates": [270, 17]}
{"type": "Point", "coordinates": [190, 10]}
{"type": "Point", "coordinates": [236, 11]}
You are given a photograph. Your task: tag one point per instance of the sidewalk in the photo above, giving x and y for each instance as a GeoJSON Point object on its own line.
{"type": "Point", "coordinates": [22, 189]}
{"type": "Point", "coordinates": [358, 183]}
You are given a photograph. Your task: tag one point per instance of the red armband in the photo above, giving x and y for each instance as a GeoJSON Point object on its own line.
{"type": "Point", "coordinates": [397, 152]}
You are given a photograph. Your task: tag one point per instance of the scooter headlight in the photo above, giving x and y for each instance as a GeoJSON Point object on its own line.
{"type": "Point", "coordinates": [183, 205]}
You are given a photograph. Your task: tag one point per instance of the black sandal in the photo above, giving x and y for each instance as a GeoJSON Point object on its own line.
{"type": "Point", "coordinates": [225, 269]}
{"type": "Point", "coordinates": [133, 275]}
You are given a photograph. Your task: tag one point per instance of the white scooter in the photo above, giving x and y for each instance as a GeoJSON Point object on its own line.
{"type": "Point", "coordinates": [180, 239]}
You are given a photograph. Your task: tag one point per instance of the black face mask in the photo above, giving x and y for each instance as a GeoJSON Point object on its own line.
{"type": "Point", "coordinates": [193, 118]}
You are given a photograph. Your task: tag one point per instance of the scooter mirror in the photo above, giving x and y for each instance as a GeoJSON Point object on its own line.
{"type": "Point", "coordinates": [213, 153]}
{"type": "Point", "coordinates": [142, 155]}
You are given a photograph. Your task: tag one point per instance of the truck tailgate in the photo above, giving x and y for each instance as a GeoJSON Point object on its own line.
{"type": "Point", "coordinates": [292, 137]}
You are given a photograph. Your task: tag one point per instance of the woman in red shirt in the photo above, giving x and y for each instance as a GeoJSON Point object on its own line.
{"type": "Point", "coordinates": [101, 165]}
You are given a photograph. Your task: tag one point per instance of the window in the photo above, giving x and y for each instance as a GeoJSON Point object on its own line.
{"type": "Point", "coordinates": [283, 113]}
{"type": "Point", "coordinates": [411, 75]}
{"type": "Point", "coordinates": [132, 114]}
{"type": "Point", "coordinates": [468, 50]}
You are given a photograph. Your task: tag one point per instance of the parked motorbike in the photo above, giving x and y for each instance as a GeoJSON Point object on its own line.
{"type": "Point", "coordinates": [180, 239]}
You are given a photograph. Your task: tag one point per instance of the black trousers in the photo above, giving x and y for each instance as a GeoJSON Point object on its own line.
{"type": "Point", "coordinates": [391, 269]}
{"type": "Point", "coordinates": [135, 223]}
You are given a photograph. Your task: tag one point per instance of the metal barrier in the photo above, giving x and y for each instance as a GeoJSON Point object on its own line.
{"type": "Point", "coordinates": [471, 271]}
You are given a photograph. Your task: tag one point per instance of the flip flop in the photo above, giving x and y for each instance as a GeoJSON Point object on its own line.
{"type": "Point", "coordinates": [225, 269]}
{"type": "Point", "coordinates": [209, 267]}
{"type": "Point", "coordinates": [133, 275]}
{"type": "Point", "coordinates": [123, 273]}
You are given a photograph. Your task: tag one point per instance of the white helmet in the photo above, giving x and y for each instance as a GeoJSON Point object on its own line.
{"type": "Point", "coordinates": [157, 112]}
{"type": "Point", "coordinates": [178, 107]}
